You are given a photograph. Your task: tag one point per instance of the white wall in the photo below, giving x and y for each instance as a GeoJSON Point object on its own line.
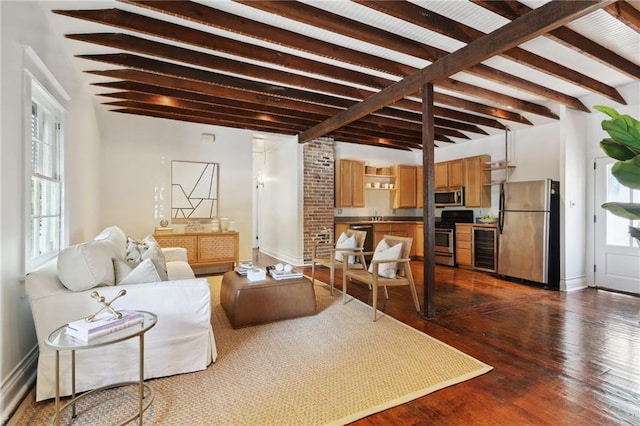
{"type": "Point", "coordinates": [136, 160]}
{"type": "Point", "coordinates": [26, 24]}
{"type": "Point", "coordinates": [280, 216]}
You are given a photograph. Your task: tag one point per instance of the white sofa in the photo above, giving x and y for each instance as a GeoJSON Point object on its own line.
{"type": "Point", "coordinates": [182, 341]}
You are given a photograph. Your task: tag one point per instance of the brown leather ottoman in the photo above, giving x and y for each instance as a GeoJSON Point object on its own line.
{"type": "Point", "coordinates": [247, 303]}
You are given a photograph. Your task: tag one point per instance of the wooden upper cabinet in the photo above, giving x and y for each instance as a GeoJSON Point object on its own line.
{"type": "Point", "coordinates": [441, 175]}
{"type": "Point", "coordinates": [449, 174]}
{"type": "Point", "coordinates": [405, 195]}
{"type": "Point", "coordinates": [456, 173]}
{"type": "Point", "coordinates": [349, 183]}
{"type": "Point", "coordinates": [477, 182]}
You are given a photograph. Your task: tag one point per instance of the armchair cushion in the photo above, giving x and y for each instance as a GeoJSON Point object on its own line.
{"type": "Point", "coordinates": [384, 252]}
{"type": "Point", "coordinates": [345, 242]}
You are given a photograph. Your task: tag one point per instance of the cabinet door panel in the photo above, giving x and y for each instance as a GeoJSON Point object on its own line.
{"type": "Point", "coordinates": [456, 173]}
{"type": "Point", "coordinates": [188, 242]}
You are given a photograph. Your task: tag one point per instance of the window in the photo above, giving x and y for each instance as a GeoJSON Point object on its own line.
{"type": "Point", "coordinates": [618, 227]}
{"type": "Point", "coordinates": [44, 234]}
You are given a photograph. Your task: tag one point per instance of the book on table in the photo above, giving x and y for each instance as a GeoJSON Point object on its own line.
{"type": "Point", "coordinates": [282, 275]}
{"type": "Point", "coordinates": [103, 324]}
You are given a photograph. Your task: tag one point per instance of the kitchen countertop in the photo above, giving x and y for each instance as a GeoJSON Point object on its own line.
{"type": "Point", "coordinates": [384, 219]}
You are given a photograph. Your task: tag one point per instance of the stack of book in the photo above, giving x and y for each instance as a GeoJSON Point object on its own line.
{"type": "Point", "coordinates": [243, 268]}
{"type": "Point", "coordinates": [163, 230]}
{"type": "Point", "coordinates": [283, 275]}
{"type": "Point", "coordinates": [102, 325]}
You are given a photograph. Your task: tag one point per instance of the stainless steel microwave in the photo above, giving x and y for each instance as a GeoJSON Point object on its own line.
{"type": "Point", "coordinates": [449, 197]}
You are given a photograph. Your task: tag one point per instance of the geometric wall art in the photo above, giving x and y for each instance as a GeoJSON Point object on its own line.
{"type": "Point", "coordinates": [194, 190]}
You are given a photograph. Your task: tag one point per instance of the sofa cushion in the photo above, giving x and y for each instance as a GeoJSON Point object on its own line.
{"type": "Point", "coordinates": [145, 272]}
{"type": "Point", "coordinates": [87, 265]}
{"type": "Point", "coordinates": [117, 237]}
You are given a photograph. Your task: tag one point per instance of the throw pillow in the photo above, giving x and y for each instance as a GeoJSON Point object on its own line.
{"type": "Point", "coordinates": [133, 254]}
{"type": "Point", "coordinates": [117, 237]}
{"type": "Point", "coordinates": [385, 252]}
{"type": "Point", "coordinates": [86, 265]}
{"type": "Point", "coordinates": [154, 253]}
{"type": "Point", "coordinates": [145, 272]}
{"type": "Point", "coordinates": [345, 242]}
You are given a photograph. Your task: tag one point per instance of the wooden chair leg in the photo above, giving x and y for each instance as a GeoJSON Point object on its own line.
{"type": "Point", "coordinates": [344, 285]}
{"type": "Point", "coordinates": [412, 285]}
{"type": "Point", "coordinates": [313, 272]}
{"type": "Point", "coordinates": [375, 301]}
{"type": "Point", "coordinates": [332, 273]}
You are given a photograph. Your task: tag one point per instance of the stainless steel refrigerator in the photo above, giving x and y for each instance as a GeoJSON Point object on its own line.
{"type": "Point", "coordinates": [529, 226]}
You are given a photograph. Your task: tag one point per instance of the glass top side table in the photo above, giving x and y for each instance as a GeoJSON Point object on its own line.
{"type": "Point", "coordinates": [60, 340]}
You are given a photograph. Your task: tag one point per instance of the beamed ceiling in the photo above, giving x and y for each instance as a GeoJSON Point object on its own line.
{"type": "Point", "coordinates": [354, 70]}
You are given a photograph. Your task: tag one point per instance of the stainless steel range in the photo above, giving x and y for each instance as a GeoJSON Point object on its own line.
{"type": "Point", "coordinates": [445, 235]}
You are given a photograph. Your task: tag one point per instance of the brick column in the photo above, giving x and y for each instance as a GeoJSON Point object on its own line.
{"type": "Point", "coordinates": [319, 175]}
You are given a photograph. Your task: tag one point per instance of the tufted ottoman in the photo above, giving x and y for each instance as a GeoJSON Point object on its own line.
{"type": "Point", "coordinates": [249, 303]}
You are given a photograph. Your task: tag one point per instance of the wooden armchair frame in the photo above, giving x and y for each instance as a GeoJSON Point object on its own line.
{"type": "Point", "coordinates": [404, 276]}
{"type": "Point", "coordinates": [319, 256]}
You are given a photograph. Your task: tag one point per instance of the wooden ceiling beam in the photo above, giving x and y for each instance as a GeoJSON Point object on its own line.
{"type": "Point", "coordinates": [185, 89]}
{"type": "Point", "coordinates": [341, 25]}
{"type": "Point", "coordinates": [355, 94]}
{"type": "Point", "coordinates": [271, 114]}
{"type": "Point", "coordinates": [568, 37]}
{"type": "Point", "coordinates": [236, 124]}
{"type": "Point", "coordinates": [139, 45]}
{"type": "Point", "coordinates": [425, 18]}
{"type": "Point", "coordinates": [218, 19]}
{"type": "Point", "coordinates": [531, 25]}
{"type": "Point", "coordinates": [626, 14]}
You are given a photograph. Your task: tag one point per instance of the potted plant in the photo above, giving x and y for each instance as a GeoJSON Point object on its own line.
{"type": "Point", "coordinates": [623, 145]}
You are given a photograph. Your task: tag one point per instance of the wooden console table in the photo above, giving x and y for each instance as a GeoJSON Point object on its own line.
{"type": "Point", "coordinates": [205, 249]}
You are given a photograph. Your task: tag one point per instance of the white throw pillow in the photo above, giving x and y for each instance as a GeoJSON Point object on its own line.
{"type": "Point", "coordinates": [87, 265]}
{"type": "Point", "coordinates": [384, 252]}
{"type": "Point", "coordinates": [117, 237]}
{"type": "Point", "coordinates": [145, 272]}
{"type": "Point", "coordinates": [345, 242]}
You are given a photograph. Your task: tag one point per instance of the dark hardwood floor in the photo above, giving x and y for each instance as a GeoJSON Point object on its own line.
{"type": "Point", "coordinates": [559, 358]}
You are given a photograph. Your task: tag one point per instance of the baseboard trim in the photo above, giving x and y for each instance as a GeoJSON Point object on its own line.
{"type": "Point", "coordinates": [574, 283]}
{"type": "Point", "coordinates": [18, 384]}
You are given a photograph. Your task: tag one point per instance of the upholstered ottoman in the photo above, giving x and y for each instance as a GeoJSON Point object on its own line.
{"type": "Point", "coordinates": [249, 303]}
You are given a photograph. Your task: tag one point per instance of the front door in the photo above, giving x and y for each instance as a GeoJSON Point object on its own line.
{"type": "Point", "coordinates": [617, 255]}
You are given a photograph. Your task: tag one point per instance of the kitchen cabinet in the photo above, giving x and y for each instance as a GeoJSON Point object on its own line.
{"type": "Point", "coordinates": [464, 247]}
{"type": "Point", "coordinates": [339, 228]}
{"type": "Point", "coordinates": [205, 249]}
{"type": "Point", "coordinates": [449, 174]}
{"type": "Point", "coordinates": [349, 190]}
{"type": "Point", "coordinates": [418, 241]}
{"type": "Point", "coordinates": [406, 180]}
{"type": "Point", "coordinates": [476, 181]}
{"type": "Point", "coordinates": [395, 228]}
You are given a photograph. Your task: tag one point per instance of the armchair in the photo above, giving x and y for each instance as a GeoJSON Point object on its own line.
{"type": "Point", "coordinates": [332, 256]}
{"type": "Point", "coordinates": [380, 261]}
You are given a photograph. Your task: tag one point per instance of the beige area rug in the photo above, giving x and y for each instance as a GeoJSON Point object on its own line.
{"type": "Point", "coordinates": [332, 368]}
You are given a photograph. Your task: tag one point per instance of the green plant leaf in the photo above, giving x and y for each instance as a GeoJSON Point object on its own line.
{"type": "Point", "coordinates": [620, 130]}
{"type": "Point", "coordinates": [617, 150]}
{"type": "Point", "coordinates": [629, 211]}
{"type": "Point", "coordinates": [628, 172]}
{"type": "Point", "coordinates": [611, 112]}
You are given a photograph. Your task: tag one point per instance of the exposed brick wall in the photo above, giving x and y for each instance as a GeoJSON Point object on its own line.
{"type": "Point", "coordinates": [319, 175]}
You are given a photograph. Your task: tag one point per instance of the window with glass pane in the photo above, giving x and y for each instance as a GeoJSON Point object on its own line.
{"type": "Point", "coordinates": [617, 227]}
{"type": "Point", "coordinates": [46, 185]}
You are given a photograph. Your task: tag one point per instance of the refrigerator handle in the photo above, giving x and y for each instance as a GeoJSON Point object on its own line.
{"type": "Point", "coordinates": [500, 209]}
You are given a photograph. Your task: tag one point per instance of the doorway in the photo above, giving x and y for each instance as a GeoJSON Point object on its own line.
{"type": "Point", "coordinates": [617, 255]}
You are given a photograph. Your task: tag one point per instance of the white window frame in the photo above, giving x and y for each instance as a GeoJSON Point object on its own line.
{"type": "Point", "coordinates": [41, 86]}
